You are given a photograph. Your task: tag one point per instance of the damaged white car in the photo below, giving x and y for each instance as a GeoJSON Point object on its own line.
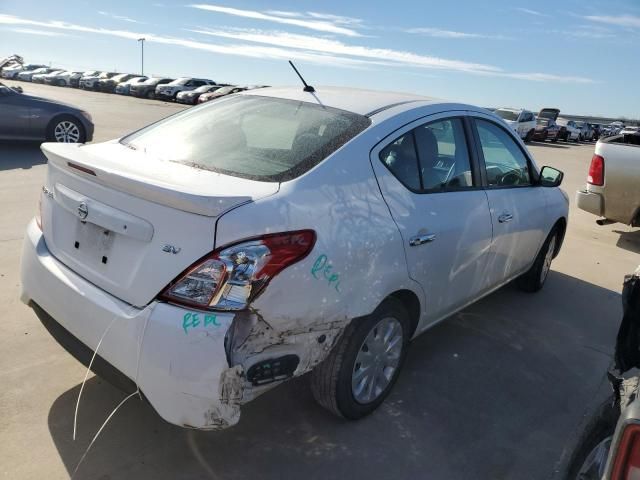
{"type": "Point", "coordinates": [219, 252]}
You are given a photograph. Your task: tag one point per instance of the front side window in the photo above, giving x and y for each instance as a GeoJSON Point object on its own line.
{"type": "Point", "coordinates": [506, 164]}
{"type": "Point", "coordinates": [255, 137]}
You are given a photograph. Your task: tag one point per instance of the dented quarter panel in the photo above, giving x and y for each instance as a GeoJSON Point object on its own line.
{"type": "Point", "coordinates": [361, 253]}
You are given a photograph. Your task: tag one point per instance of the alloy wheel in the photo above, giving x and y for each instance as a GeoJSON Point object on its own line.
{"type": "Point", "coordinates": [377, 360]}
{"type": "Point", "coordinates": [66, 132]}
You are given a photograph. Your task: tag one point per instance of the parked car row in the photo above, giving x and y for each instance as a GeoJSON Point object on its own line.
{"type": "Point", "coordinates": [545, 126]}
{"type": "Point", "coordinates": [187, 90]}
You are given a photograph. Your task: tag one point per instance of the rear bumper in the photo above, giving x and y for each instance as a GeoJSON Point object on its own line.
{"type": "Point", "coordinates": [590, 202]}
{"type": "Point", "coordinates": [183, 373]}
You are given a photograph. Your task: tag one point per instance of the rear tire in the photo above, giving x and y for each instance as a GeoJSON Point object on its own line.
{"type": "Point", "coordinates": [151, 95]}
{"type": "Point", "coordinates": [338, 383]}
{"type": "Point", "coordinates": [533, 280]}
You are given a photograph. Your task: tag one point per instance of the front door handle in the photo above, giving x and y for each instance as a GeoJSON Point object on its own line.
{"type": "Point", "coordinates": [421, 239]}
{"type": "Point", "coordinates": [505, 217]}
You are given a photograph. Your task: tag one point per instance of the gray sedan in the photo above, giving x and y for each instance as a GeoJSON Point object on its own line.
{"type": "Point", "coordinates": [24, 117]}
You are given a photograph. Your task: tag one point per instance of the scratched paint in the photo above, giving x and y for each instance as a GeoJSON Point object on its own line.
{"type": "Point", "coordinates": [322, 269]}
{"type": "Point", "coordinates": [192, 320]}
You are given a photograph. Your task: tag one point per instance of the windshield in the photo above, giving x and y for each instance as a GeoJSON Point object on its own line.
{"type": "Point", "coordinates": [543, 122]}
{"type": "Point", "coordinates": [508, 115]}
{"type": "Point", "coordinates": [203, 89]}
{"type": "Point", "coordinates": [179, 81]}
{"type": "Point", "coordinates": [230, 136]}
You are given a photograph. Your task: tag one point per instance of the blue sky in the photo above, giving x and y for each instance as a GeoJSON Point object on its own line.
{"type": "Point", "coordinates": [578, 55]}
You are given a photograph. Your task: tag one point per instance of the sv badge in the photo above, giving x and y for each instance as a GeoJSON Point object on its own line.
{"type": "Point", "coordinates": [171, 249]}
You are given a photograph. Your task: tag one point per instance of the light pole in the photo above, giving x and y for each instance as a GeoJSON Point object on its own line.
{"type": "Point", "coordinates": [141, 40]}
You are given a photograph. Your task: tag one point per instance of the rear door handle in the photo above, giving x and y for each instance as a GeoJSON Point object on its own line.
{"type": "Point", "coordinates": [421, 239]}
{"type": "Point", "coordinates": [505, 217]}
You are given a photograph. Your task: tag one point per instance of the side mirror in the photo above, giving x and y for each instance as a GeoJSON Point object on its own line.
{"type": "Point", "coordinates": [550, 177]}
{"type": "Point", "coordinates": [18, 89]}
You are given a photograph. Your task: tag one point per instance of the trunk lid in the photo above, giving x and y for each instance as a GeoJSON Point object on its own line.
{"type": "Point", "coordinates": [549, 113]}
{"type": "Point", "coordinates": [130, 223]}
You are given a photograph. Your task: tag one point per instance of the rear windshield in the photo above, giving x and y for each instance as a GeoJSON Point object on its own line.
{"type": "Point", "coordinates": [254, 137]}
{"type": "Point", "coordinates": [507, 115]}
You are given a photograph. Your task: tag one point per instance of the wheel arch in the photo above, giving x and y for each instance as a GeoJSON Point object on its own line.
{"type": "Point", "coordinates": [561, 227]}
{"type": "Point", "coordinates": [412, 303]}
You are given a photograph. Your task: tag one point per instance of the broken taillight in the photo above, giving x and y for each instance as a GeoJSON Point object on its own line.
{"type": "Point", "coordinates": [229, 277]}
{"type": "Point", "coordinates": [596, 171]}
{"type": "Point", "coordinates": [626, 465]}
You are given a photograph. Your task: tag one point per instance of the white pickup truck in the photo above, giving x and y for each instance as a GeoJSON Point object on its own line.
{"type": "Point", "coordinates": [613, 184]}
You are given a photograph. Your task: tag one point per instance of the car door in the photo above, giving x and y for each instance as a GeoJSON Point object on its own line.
{"type": "Point", "coordinates": [516, 204]}
{"type": "Point", "coordinates": [14, 114]}
{"type": "Point", "coordinates": [521, 125]}
{"type": "Point", "coordinates": [432, 187]}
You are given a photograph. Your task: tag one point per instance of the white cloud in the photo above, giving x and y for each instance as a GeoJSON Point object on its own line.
{"type": "Point", "coordinates": [408, 59]}
{"type": "Point", "coordinates": [532, 12]}
{"type": "Point", "coordinates": [285, 46]}
{"type": "Point", "coordinates": [118, 17]}
{"type": "Point", "coordinates": [44, 33]}
{"type": "Point", "coordinates": [335, 47]}
{"type": "Point", "coordinates": [237, 50]}
{"type": "Point", "coordinates": [437, 33]}
{"type": "Point", "coordinates": [321, 25]}
{"type": "Point", "coordinates": [618, 20]}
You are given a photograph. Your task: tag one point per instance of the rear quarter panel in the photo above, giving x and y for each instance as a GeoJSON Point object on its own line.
{"type": "Point", "coordinates": [357, 241]}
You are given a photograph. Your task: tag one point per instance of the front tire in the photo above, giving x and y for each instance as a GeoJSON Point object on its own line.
{"type": "Point", "coordinates": [66, 129]}
{"type": "Point", "coordinates": [151, 95]}
{"type": "Point", "coordinates": [529, 137]}
{"type": "Point", "coordinates": [533, 280]}
{"type": "Point", "coordinates": [363, 366]}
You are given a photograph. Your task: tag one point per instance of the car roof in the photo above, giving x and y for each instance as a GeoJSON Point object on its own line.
{"type": "Point", "coordinates": [363, 102]}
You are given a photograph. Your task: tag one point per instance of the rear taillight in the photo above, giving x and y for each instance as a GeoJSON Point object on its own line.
{"type": "Point", "coordinates": [596, 171]}
{"type": "Point", "coordinates": [229, 277]}
{"type": "Point", "coordinates": [626, 465]}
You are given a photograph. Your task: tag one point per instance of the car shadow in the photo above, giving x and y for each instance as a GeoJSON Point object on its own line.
{"type": "Point", "coordinates": [491, 392]}
{"type": "Point", "coordinates": [629, 240]}
{"type": "Point", "coordinates": [547, 144]}
{"type": "Point", "coordinates": [14, 155]}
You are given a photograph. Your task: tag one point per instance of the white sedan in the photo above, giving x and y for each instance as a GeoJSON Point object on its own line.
{"type": "Point", "coordinates": [235, 245]}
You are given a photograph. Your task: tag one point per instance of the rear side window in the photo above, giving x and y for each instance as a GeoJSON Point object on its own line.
{"type": "Point", "coordinates": [431, 158]}
{"type": "Point", "coordinates": [401, 159]}
{"type": "Point", "coordinates": [255, 137]}
{"type": "Point", "coordinates": [506, 165]}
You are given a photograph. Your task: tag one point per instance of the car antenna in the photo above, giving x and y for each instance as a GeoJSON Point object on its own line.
{"type": "Point", "coordinates": [307, 88]}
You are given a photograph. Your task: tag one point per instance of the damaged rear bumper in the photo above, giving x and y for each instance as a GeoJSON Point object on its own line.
{"type": "Point", "coordinates": [183, 373]}
{"type": "Point", "coordinates": [195, 368]}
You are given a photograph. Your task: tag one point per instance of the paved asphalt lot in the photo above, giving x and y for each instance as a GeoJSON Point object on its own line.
{"type": "Point", "coordinates": [494, 392]}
